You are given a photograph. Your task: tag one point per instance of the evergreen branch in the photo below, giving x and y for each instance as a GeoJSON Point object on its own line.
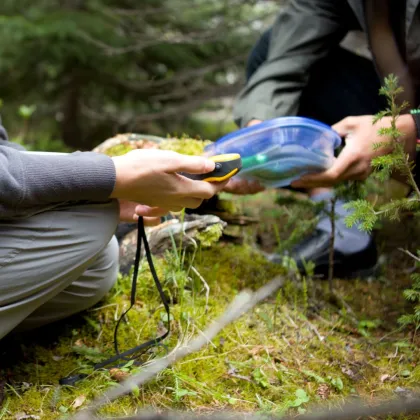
{"type": "Point", "coordinates": [178, 110]}
{"type": "Point", "coordinates": [181, 77]}
{"type": "Point", "coordinates": [169, 38]}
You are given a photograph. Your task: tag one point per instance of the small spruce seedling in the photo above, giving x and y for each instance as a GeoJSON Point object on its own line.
{"type": "Point", "coordinates": [383, 167]}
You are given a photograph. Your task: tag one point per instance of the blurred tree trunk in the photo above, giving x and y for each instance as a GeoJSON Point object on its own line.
{"type": "Point", "coordinates": [71, 125]}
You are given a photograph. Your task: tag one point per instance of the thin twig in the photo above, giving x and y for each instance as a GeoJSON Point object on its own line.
{"type": "Point", "coordinates": [206, 286]}
{"type": "Point", "coordinates": [331, 250]}
{"type": "Point", "coordinates": [315, 331]}
{"type": "Point", "coordinates": [409, 253]}
{"type": "Point", "coordinates": [349, 411]}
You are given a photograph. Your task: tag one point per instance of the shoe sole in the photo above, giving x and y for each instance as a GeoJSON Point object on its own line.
{"type": "Point", "coordinates": [362, 274]}
{"type": "Point", "coordinates": [366, 273]}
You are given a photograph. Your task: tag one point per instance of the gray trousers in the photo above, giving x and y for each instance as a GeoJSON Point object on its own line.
{"type": "Point", "coordinates": [56, 263]}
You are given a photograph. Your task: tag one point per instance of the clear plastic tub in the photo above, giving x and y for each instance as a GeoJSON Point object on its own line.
{"type": "Point", "coordinates": [278, 151]}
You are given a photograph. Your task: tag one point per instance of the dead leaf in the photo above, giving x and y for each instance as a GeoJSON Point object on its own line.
{"type": "Point", "coordinates": [161, 329]}
{"type": "Point", "coordinates": [78, 401]}
{"type": "Point", "coordinates": [233, 372]}
{"type": "Point", "coordinates": [323, 391]}
{"type": "Point", "coordinates": [118, 374]}
{"type": "Point", "coordinates": [79, 343]}
{"type": "Point", "coordinates": [256, 350]}
{"type": "Point", "coordinates": [351, 373]}
{"type": "Point", "coordinates": [347, 371]}
{"type": "Point", "coordinates": [385, 377]}
{"type": "Point", "coordinates": [22, 416]}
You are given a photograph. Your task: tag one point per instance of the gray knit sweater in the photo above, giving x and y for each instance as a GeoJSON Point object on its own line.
{"type": "Point", "coordinates": [32, 183]}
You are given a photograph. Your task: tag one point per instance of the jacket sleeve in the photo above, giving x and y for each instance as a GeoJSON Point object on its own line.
{"type": "Point", "coordinates": [30, 183]}
{"type": "Point", "coordinates": [303, 33]}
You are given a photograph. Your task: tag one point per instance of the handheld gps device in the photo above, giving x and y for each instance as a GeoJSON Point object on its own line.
{"type": "Point", "coordinates": [227, 165]}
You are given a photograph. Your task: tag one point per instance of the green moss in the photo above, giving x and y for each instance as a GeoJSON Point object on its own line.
{"type": "Point", "coordinates": [183, 145]}
{"type": "Point", "coordinates": [186, 146]}
{"type": "Point", "coordinates": [260, 363]}
{"type": "Point", "coordinates": [119, 149]}
{"type": "Point", "coordinates": [228, 206]}
{"type": "Point", "coordinates": [210, 235]}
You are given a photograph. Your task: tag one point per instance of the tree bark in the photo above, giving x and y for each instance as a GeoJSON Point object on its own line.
{"type": "Point", "coordinates": [71, 125]}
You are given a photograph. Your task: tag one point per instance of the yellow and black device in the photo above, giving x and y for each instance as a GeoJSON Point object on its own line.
{"type": "Point", "coordinates": [227, 166]}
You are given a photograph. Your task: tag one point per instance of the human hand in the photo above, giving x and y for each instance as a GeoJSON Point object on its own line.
{"type": "Point", "coordinates": [354, 161]}
{"type": "Point", "coordinates": [130, 212]}
{"type": "Point", "coordinates": [253, 122]}
{"type": "Point", "coordinates": [151, 177]}
{"type": "Point", "coordinates": [241, 186]}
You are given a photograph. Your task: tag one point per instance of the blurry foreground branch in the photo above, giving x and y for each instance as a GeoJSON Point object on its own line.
{"type": "Point", "coordinates": [242, 303]}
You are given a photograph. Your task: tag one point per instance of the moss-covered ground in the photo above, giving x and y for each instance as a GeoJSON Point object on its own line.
{"type": "Point", "coordinates": [296, 349]}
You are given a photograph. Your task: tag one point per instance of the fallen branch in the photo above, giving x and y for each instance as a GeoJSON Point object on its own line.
{"type": "Point", "coordinates": [242, 303]}
{"type": "Point", "coordinates": [350, 411]}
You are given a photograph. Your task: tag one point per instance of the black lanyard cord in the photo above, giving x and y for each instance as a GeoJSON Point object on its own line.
{"type": "Point", "coordinates": [141, 237]}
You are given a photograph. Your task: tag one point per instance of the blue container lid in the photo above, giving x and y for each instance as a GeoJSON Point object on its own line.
{"type": "Point", "coordinates": [306, 132]}
{"type": "Point", "coordinates": [277, 151]}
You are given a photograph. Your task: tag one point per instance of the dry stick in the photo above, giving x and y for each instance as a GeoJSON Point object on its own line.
{"type": "Point", "coordinates": [356, 410]}
{"type": "Point", "coordinates": [350, 411]}
{"type": "Point", "coordinates": [409, 254]}
{"type": "Point", "coordinates": [206, 286]}
{"type": "Point", "coordinates": [243, 302]}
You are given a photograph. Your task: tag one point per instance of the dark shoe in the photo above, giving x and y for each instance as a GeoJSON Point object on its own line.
{"type": "Point", "coordinates": [315, 248]}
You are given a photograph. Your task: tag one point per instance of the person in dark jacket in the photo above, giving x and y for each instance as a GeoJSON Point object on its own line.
{"type": "Point", "coordinates": [299, 67]}
{"type": "Point", "coordinates": [58, 216]}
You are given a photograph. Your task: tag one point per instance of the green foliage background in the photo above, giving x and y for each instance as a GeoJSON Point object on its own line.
{"type": "Point", "coordinates": [97, 67]}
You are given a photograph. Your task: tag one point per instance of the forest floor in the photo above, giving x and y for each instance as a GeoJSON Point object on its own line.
{"type": "Point", "coordinates": [295, 349]}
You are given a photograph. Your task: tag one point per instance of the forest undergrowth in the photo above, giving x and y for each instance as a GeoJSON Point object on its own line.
{"type": "Point", "coordinates": [297, 349]}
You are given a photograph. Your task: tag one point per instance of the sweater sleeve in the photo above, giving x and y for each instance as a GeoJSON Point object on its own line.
{"type": "Point", "coordinates": [31, 182]}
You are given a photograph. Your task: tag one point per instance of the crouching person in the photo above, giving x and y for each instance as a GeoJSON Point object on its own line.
{"type": "Point", "coordinates": [58, 216]}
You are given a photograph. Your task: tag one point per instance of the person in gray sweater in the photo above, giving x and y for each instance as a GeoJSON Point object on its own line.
{"type": "Point", "coordinates": [58, 216]}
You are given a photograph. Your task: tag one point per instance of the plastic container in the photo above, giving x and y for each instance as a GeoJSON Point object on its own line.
{"type": "Point", "coordinates": [278, 151]}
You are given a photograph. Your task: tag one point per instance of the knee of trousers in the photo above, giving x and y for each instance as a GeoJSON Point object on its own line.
{"type": "Point", "coordinates": [109, 216]}
{"type": "Point", "coordinates": [100, 223]}
{"type": "Point", "coordinates": [105, 270]}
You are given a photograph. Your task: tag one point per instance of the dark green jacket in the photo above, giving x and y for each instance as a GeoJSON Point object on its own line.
{"type": "Point", "coordinates": [303, 33]}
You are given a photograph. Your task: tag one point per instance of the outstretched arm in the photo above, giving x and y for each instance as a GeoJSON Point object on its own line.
{"type": "Point", "coordinates": [303, 33]}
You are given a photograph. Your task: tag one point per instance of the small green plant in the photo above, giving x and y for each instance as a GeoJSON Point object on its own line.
{"type": "Point", "coordinates": [413, 295]}
{"type": "Point", "coordinates": [365, 326]}
{"type": "Point", "coordinates": [384, 166]}
{"type": "Point", "coordinates": [260, 378]}
{"type": "Point", "coordinates": [346, 191]}
{"type": "Point", "coordinates": [26, 113]}
{"type": "Point", "coordinates": [337, 383]}
{"type": "Point", "coordinates": [301, 398]}
{"type": "Point", "coordinates": [306, 214]}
